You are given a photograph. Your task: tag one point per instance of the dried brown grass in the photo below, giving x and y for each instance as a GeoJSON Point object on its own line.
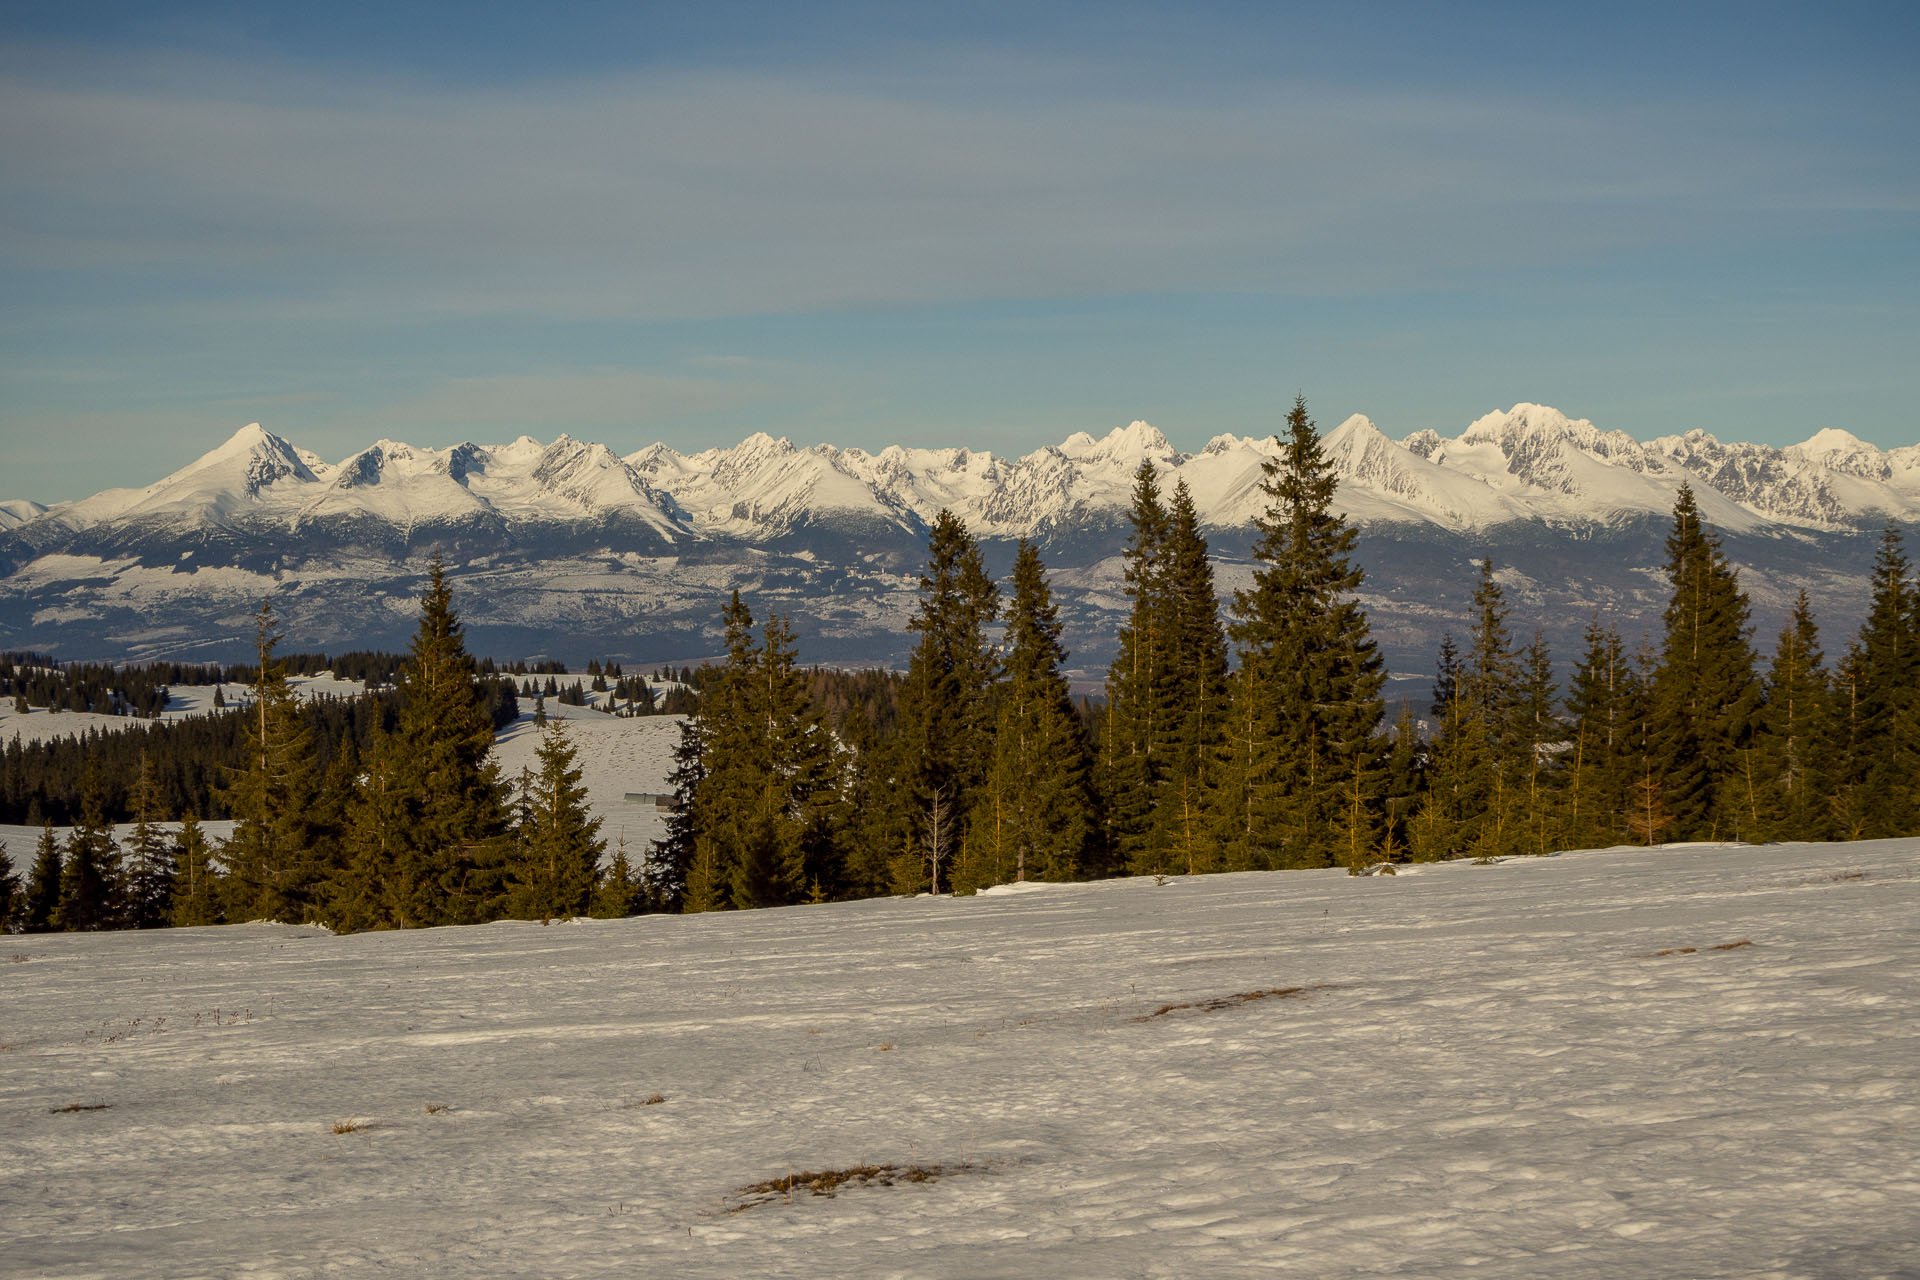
{"type": "Point", "coordinates": [1691, 951]}
{"type": "Point", "coordinates": [1213, 1003]}
{"type": "Point", "coordinates": [828, 1182]}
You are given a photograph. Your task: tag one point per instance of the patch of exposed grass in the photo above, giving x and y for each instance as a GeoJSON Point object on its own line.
{"type": "Point", "coordinates": [349, 1126]}
{"type": "Point", "coordinates": [828, 1182]}
{"type": "Point", "coordinates": [887, 1047]}
{"type": "Point", "coordinates": [1691, 951]}
{"type": "Point", "coordinates": [1213, 1003]}
{"type": "Point", "coordinates": [436, 1108]}
{"type": "Point", "coordinates": [80, 1106]}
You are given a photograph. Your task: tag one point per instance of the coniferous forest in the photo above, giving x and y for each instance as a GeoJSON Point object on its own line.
{"type": "Point", "coordinates": [1251, 741]}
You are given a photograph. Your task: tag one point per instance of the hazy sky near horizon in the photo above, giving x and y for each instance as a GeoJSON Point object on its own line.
{"type": "Point", "coordinates": [988, 224]}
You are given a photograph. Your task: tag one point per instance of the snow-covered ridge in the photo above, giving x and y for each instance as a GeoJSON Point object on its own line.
{"type": "Point", "coordinates": [1528, 463]}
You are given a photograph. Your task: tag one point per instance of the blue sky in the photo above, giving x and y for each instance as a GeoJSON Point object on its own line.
{"type": "Point", "coordinates": [988, 225]}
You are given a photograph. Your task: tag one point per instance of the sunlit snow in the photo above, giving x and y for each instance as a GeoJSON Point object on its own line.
{"type": "Point", "coordinates": [1696, 1061]}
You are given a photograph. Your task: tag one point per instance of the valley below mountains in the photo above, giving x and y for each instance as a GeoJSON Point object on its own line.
{"type": "Point", "coordinates": [570, 550]}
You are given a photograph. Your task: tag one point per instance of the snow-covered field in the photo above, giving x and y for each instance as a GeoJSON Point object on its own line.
{"type": "Point", "coordinates": [37, 724]}
{"type": "Point", "coordinates": [617, 756]}
{"type": "Point", "coordinates": [1681, 1062]}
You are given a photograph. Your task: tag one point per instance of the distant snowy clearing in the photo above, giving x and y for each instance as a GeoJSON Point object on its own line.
{"type": "Point", "coordinates": [1669, 1062]}
{"type": "Point", "coordinates": [184, 701]}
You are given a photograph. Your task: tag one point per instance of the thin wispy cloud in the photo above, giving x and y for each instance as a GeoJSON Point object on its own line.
{"type": "Point", "coordinates": [681, 194]}
{"type": "Point", "coordinates": [993, 225]}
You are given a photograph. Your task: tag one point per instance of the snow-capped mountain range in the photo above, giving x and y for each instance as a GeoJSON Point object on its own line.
{"type": "Point", "coordinates": [1529, 463]}
{"type": "Point", "coordinates": [823, 529]}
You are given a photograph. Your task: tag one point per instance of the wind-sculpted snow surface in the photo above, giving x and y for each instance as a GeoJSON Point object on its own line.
{"type": "Point", "coordinates": [1673, 1062]}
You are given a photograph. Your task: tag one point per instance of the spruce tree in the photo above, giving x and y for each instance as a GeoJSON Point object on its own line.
{"type": "Point", "coordinates": [763, 813]}
{"type": "Point", "coordinates": [1539, 737]}
{"type": "Point", "coordinates": [1882, 765]}
{"type": "Point", "coordinates": [1194, 698]}
{"type": "Point", "coordinates": [665, 873]}
{"type": "Point", "coordinates": [732, 845]}
{"type": "Point", "coordinates": [559, 844]}
{"type": "Point", "coordinates": [1490, 678]}
{"type": "Point", "coordinates": [13, 896]}
{"type": "Point", "coordinates": [450, 866]}
{"type": "Point", "coordinates": [619, 892]}
{"type": "Point", "coordinates": [948, 705]}
{"type": "Point", "coordinates": [1791, 758]}
{"type": "Point", "coordinates": [149, 854]}
{"type": "Point", "coordinates": [1035, 817]}
{"type": "Point", "coordinates": [270, 870]}
{"type": "Point", "coordinates": [1602, 757]}
{"type": "Point", "coordinates": [1484, 798]}
{"type": "Point", "coordinates": [1304, 728]}
{"type": "Point", "coordinates": [43, 883]}
{"type": "Point", "coordinates": [1131, 739]}
{"type": "Point", "coordinates": [196, 883]}
{"type": "Point", "coordinates": [1404, 783]}
{"type": "Point", "coordinates": [367, 892]}
{"type": "Point", "coordinates": [1461, 785]}
{"type": "Point", "coordinates": [92, 894]}
{"type": "Point", "coordinates": [800, 791]}
{"type": "Point", "coordinates": [1705, 691]}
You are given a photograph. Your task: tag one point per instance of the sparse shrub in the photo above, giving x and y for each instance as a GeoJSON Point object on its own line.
{"type": "Point", "coordinates": [349, 1126]}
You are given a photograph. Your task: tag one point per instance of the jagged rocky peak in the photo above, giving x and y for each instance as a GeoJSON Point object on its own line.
{"type": "Point", "coordinates": [261, 456]}
{"type": "Point", "coordinates": [1842, 451]}
{"type": "Point", "coordinates": [1136, 442]}
{"type": "Point", "coordinates": [1422, 443]}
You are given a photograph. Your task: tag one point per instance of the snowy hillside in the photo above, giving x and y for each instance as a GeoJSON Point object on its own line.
{"type": "Point", "coordinates": [1671, 1062]}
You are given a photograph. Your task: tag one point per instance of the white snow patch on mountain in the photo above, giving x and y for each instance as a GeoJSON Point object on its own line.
{"type": "Point", "coordinates": [1530, 462]}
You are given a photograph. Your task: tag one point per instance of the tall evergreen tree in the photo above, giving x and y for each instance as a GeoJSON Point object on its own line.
{"type": "Point", "coordinates": [1490, 678]}
{"type": "Point", "coordinates": [1705, 690]}
{"type": "Point", "coordinates": [43, 883]}
{"type": "Point", "coordinates": [149, 853]}
{"type": "Point", "coordinates": [665, 874]}
{"type": "Point", "coordinates": [1539, 736]}
{"type": "Point", "coordinates": [1790, 761]}
{"type": "Point", "coordinates": [375, 837]}
{"type": "Point", "coordinates": [948, 705]}
{"type": "Point", "coordinates": [1305, 723]}
{"type": "Point", "coordinates": [1485, 796]}
{"type": "Point", "coordinates": [1601, 764]}
{"type": "Point", "coordinates": [763, 813]}
{"type": "Point", "coordinates": [450, 867]}
{"type": "Point", "coordinates": [559, 845]}
{"type": "Point", "coordinates": [1035, 816]}
{"type": "Point", "coordinates": [270, 869]}
{"type": "Point", "coordinates": [196, 883]}
{"type": "Point", "coordinates": [92, 894]}
{"type": "Point", "coordinates": [1881, 768]}
{"type": "Point", "coordinates": [620, 892]}
{"type": "Point", "coordinates": [1131, 739]}
{"type": "Point", "coordinates": [13, 895]}
{"type": "Point", "coordinates": [1194, 698]}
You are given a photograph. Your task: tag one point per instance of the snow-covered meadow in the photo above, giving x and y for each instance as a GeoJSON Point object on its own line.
{"type": "Point", "coordinates": [1698, 1061]}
